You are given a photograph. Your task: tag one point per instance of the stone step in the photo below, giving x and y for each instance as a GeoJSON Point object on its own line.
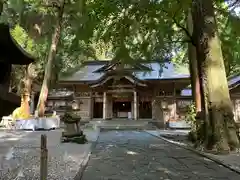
{"type": "Point", "coordinates": [106, 125]}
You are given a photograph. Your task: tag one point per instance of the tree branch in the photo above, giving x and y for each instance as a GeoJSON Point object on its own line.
{"type": "Point", "coordinates": [185, 30]}
{"type": "Point", "coordinates": [233, 4]}
{"type": "Point", "coordinates": [183, 41]}
{"type": "Point", "coordinates": [56, 4]}
{"type": "Point", "coordinates": [180, 26]}
{"type": "Point", "coordinates": [2, 2]}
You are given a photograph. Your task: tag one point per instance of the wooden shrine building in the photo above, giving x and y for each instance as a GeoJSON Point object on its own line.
{"type": "Point", "coordinates": [109, 90]}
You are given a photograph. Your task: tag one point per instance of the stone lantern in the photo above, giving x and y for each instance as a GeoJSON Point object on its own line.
{"type": "Point", "coordinates": [164, 104]}
{"type": "Point", "coordinates": [72, 131]}
{"type": "Point", "coordinates": [75, 105]}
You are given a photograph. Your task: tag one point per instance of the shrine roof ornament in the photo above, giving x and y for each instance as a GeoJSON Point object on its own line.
{"type": "Point", "coordinates": [60, 94]}
{"type": "Point", "coordinates": [117, 65]}
{"type": "Point", "coordinates": [132, 79]}
{"type": "Point", "coordinates": [11, 51]}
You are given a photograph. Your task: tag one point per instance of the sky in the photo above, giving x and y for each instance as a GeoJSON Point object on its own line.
{"type": "Point", "coordinates": [237, 9]}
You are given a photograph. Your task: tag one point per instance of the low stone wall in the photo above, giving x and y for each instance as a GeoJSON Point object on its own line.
{"type": "Point", "coordinates": [38, 123]}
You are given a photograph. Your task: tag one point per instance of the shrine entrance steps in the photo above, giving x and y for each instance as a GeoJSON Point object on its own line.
{"type": "Point", "coordinates": [122, 124]}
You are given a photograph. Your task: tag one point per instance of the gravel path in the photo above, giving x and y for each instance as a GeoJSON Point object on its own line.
{"type": "Point", "coordinates": [22, 161]}
{"type": "Point", "coordinates": [132, 155]}
{"type": "Point", "coordinates": [8, 139]}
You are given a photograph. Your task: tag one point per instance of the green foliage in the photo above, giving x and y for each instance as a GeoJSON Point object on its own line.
{"type": "Point", "coordinates": [32, 24]}
{"type": "Point", "coordinates": [135, 29]}
{"type": "Point", "coordinates": [228, 25]}
{"type": "Point", "coordinates": [70, 118]}
{"type": "Point", "coordinates": [27, 43]}
{"type": "Point", "coordinates": [191, 116]}
{"type": "Point", "coordinates": [191, 119]}
{"type": "Point", "coordinates": [75, 138]}
{"type": "Point", "coordinates": [128, 30]}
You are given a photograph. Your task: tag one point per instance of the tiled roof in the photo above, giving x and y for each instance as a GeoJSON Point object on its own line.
{"type": "Point", "coordinates": [165, 71]}
{"type": "Point", "coordinates": [232, 81]}
{"type": "Point", "coordinates": [86, 73]}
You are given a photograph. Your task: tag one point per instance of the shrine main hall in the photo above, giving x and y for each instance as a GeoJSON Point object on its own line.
{"type": "Point", "coordinates": [148, 90]}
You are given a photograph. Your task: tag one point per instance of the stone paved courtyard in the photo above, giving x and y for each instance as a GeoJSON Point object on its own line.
{"type": "Point", "coordinates": [133, 155]}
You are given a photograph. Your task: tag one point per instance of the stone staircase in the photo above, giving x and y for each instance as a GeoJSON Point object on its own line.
{"type": "Point", "coordinates": [121, 125]}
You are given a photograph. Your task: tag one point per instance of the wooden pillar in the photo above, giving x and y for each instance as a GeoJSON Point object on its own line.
{"type": "Point", "coordinates": [154, 104]}
{"type": "Point", "coordinates": [135, 105]}
{"type": "Point", "coordinates": [153, 108]}
{"type": "Point", "coordinates": [109, 106]}
{"type": "Point", "coordinates": [174, 102]}
{"type": "Point", "coordinates": [104, 105]}
{"type": "Point", "coordinates": [132, 110]}
{"type": "Point", "coordinates": [91, 105]}
{"type": "Point", "coordinates": [236, 105]}
{"type": "Point", "coordinates": [237, 109]}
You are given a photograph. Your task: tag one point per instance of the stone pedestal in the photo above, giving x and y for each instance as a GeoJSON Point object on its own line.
{"type": "Point", "coordinates": [166, 118]}
{"type": "Point", "coordinates": [73, 134]}
{"type": "Point", "coordinates": [71, 129]}
{"type": "Point", "coordinates": [158, 113]}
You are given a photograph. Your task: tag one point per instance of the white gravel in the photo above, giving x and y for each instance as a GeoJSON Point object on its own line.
{"type": "Point", "coordinates": [22, 161]}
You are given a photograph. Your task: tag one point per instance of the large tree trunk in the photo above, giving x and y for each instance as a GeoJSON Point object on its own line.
{"type": "Point", "coordinates": [221, 131]}
{"type": "Point", "coordinates": [48, 68]}
{"type": "Point", "coordinates": [195, 83]}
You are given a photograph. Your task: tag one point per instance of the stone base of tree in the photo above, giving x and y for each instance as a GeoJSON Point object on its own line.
{"type": "Point", "coordinates": [204, 138]}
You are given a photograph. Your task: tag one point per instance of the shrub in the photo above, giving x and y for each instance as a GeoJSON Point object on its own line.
{"type": "Point", "coordinates": [191, 116]}
{"type": "Point", "coordinates": [191, 119]}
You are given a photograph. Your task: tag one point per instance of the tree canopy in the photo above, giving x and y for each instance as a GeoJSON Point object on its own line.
{"type": "Point", "coordinates": [127, 30]}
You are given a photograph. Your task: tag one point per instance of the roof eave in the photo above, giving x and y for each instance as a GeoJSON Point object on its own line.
{"type": "Point", "coordinates": [13, 52]}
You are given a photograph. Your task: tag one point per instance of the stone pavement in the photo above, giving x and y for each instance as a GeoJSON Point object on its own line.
{"type": "Point", "coordinates": [122, 124]}
{"type": "Point", "coordinates": [133, 155]}
{"type": "Point", "coordinates": [231, 160]}
{"type": "Point", "coordinates": [22, 161]}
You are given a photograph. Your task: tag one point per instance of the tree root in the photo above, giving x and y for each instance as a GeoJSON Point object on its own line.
{"type": "Point", "coordinates": [220, 136]}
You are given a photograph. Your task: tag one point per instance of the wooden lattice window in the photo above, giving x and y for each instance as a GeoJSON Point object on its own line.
{"type": "Point", "coordinates": [164, 93]}
{"type": "Point", "coordinates": [83, 94]}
